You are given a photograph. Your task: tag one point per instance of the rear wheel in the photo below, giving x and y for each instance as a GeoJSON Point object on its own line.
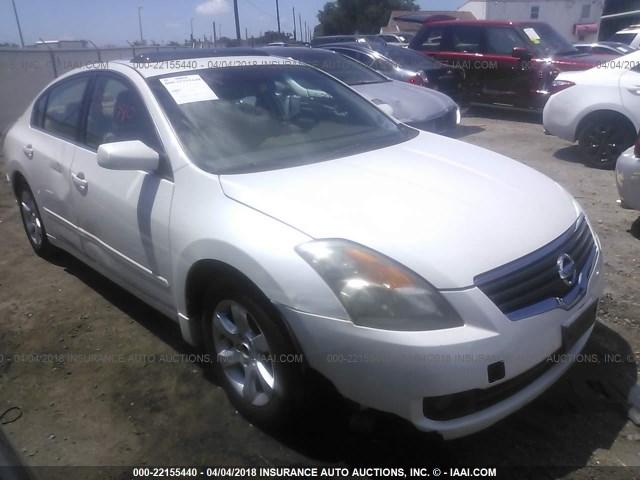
{"type": "Point", "coordinates": [603, 138]}
{"type": "Point", "coordinates": [253, 356]}
{"type": "Point", "coordinates": [32, 221]}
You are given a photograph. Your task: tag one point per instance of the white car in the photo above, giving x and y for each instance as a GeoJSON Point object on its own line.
{"type": "Point", "coordinates": [629, 36]}
{"type": "Point", "coordinates": [599, 108]}
{"type": "Point", "coordinates": [274, 212]}
{"type": "Point", "coordinates": [628, 177]}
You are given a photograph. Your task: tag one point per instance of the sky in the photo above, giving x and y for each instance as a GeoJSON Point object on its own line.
{"type": "Point", "coordinates": [113, 22]}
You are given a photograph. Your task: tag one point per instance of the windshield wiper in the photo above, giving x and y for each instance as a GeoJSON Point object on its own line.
{"type": "Point", "coordinates": [570, 52]}
{"type": "Point", "coordinates": [367, 82]}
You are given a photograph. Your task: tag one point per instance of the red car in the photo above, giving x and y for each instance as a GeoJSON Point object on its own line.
{"type": "Point", "coordinates": [511, 64]}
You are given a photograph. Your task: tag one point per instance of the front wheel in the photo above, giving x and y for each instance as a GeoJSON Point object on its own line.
{"type": "Point", "coordinates": [603, 139]}
{"type": "Point", "coordinates": [253, 356]}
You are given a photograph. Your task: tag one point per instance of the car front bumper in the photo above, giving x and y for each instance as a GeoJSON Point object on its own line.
{"type": "Point", "coordinates": [628, 179]}
{"type": "Point", "coordinates": [406, 373]}
{"type": "Point", "coordinates": [559, 117]}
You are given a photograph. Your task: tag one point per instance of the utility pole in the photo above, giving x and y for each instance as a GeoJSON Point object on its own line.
{"type": "Point", "coordinates": [215, 39]}
{"type": "Point", "coordinates": [295, 38]}
{"type": "Point", "coordinates": [192, 30]}
{"type": "Point", "coordinates": [300, 25]}
{"type": "Point", "coordinates": [246, 34]}
{"type": "Point", "coordinates": [18, 22]}
{"type": "Point", "coordinates": [278, 16]}
{"type": "Point", "coordinates": [306, 32]}
{"type": "Point", "coordinates": [235, 11]}
{"type": "Point", "coordinates": [140, 23]}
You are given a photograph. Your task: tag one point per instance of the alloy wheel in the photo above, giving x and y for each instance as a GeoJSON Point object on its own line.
{"type": "Point", "coordinates": [243, 353]}
{"type": "Point", "coordinates": [31, 217]}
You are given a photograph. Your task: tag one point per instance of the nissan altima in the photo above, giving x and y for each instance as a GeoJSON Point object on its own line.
{"type": "Point", "coordinates": [289, 225]}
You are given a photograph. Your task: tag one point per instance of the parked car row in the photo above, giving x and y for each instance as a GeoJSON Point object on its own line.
{"type": "Point", "coordinates": [507, 63]}
{"type": "Point", "coordinates": [277, 214]}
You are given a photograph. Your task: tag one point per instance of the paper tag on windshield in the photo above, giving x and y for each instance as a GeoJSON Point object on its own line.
{"type": "Point", "coordinates": [532, 34]}
{"type": "Point", "coordinates": [188, 89]}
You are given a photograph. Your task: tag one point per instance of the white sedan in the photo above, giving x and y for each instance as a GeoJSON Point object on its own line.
{"type": "Point", "coordinates": [289, 232]}
{"type": "Point", "coordinates": [599, 108]}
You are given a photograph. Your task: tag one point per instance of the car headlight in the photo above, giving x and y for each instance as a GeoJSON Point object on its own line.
{"type": "Point", "coordinates": [458, 116]}
{"type": "Point", "coordinates": [376, 291]}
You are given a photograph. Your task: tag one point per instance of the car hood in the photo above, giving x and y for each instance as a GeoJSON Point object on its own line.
{"type": "Point", "coordinates": [445, 209]}
{"type": "Point", "coordinates": [410, 103]}
{"type": "Point", "coordinates": [581, 61]}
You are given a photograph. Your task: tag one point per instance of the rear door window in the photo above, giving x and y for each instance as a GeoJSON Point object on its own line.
{"type": "Point", "coordinates": [466, 38]}
{"type": "Point", "coordinates": [63, 110]}
{"type": "Point", "coordinates": [432, 41]}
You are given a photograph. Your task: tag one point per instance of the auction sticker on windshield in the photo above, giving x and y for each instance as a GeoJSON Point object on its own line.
{"type": "Point", "coordinates": [188, 89]}
{"type": "Point", "coordinates": [532, 34]}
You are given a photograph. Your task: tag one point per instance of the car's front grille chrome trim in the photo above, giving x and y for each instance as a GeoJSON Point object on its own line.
{"type": "Point", "coordinates": [532, 285]}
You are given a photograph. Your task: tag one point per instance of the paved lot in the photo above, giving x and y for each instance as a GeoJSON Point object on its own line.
{"type": "Point", "coordinates": [155, 408]}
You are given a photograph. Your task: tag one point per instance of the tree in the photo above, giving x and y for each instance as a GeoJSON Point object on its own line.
{"type": "Point", "coordinates": [359, 16]}
{"type": "Point", "coordinates": [271, 36]}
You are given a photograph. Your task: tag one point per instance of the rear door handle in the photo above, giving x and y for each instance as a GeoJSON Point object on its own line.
{"type": "Point", "coordinates": [635, 89]}
{"type": "Point", "coordinates": [80, 181]}
{"type": "Point", "coordinates": [28, 151]}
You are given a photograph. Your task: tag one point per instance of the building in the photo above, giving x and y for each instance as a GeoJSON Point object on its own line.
{"type": "Point", "coordinates": [576, 20]}
{"type": "Point", "coordinates": [400, 26]}
{"type": "Point", "coordinates": [618, 14]}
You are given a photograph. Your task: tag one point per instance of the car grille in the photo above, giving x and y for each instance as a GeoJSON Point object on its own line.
{"type": "Point", "coordinates": [532, 284]}
{"type": "Point", "coordinates": [439, 124]}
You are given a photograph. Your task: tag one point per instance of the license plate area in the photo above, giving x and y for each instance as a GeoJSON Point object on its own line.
{"type": "Point", "coordinates": [572, 333]}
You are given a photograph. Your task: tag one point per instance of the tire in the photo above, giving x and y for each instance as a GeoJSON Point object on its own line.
{"type": "Point", "coordinates": [603, 138]}
{"type": "Point", "coordinates": [246, 339]}
{"type": "Point", "coordinates": [32, 222]}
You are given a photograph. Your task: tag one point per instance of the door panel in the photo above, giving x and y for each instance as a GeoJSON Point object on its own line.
{"type": "Point", "coordinates": [56, 126]}
{"type": "Point", "coordinates": [123, 215]}
{"type": "Point", "coordinates": [630, 92]}
{"type": "Point", "coordinates": [506, 79]}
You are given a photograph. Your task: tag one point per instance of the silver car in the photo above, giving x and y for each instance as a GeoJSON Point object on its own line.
{"type": "Point", "coordinates": [419, 107]}
{"type": "Point", "coordinates": [628, 177]}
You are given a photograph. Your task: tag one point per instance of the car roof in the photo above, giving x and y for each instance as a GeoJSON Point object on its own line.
{"type": "Point", "coordinates": [351, 45]}
{"type": "Point", "coordinates": [187, 53]}
{"type": "Point", "coordinates": [288, 51]}
{"type": "Point", "coordinates": [483, 22]}
{"type": "Point", "coordinates": [154, 69]}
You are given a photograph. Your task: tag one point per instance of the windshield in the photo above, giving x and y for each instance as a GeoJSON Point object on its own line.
{"type": "Point", "coordinates": [406, 58]}
{"type": "Point", "coordinates": [624, 49]}
{"type": "Point", "coordinates": [343, 68]}
{"type": "Point", "coordinates": [257, 118]}
{"type": "Point", "coordinates": [625, 38]}
{"type": "Point", "coordinates": [546, 39]}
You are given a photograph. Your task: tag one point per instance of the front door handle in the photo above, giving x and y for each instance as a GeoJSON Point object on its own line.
{"type": "Point", "coordinates": [80, 181]}
{"type": "Point", "coordinates": [28, 151]}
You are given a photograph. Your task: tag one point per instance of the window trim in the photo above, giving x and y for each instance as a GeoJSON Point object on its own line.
{"type": "Point", "coordinates": [73, 140]}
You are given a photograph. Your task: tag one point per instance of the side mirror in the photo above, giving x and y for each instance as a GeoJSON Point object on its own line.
{"type": "Point", "coordinates": [129, 155]}
{"type": "Point", "coordinates": [521, 53]}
